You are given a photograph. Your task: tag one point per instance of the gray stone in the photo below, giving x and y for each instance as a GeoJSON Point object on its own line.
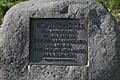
{"type": "Point", "coordinates": [104, 44]}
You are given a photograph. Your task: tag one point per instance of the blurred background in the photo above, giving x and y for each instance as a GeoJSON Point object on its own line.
{"type": "Point", "coordinates": [112, 5]}
{"type": "Point", "coordinates": [5, 5]}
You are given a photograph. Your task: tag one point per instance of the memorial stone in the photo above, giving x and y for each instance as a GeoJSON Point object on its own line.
{"type": "Point", "coordinates": [59, 40]}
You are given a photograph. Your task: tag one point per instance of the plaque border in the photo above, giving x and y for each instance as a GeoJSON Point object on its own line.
{"type": "Point", "coordinates": [85, 23]}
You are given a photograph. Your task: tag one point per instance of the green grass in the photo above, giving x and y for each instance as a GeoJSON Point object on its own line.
{"type": "Point", "coordinates": [5, 5]}
{"type": "Point", "coordinates": [113, 6]}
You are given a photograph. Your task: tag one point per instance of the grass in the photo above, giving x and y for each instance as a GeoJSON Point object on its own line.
{"type": "Point", "coordinates": [5, 5]}
{"type": "Point", "coordinates": [114, 8]}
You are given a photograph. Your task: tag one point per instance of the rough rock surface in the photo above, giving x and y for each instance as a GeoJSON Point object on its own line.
{"type": "Point", "coordinates": [104, 42]}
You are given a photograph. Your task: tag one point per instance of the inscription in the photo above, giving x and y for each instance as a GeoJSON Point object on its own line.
{"type": "Point", "coordinates": [56, 40]}
{"type": "Point", "coordinates": [72, 41]}
{"type": "Point", "coordinates": [63, 25]}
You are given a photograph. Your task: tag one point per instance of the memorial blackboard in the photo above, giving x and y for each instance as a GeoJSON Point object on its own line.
{"type": "Point", "coordinates": [58, 41]}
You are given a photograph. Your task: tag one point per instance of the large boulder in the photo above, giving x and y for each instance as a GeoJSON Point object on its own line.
{"type": "Point", "coordinates": [103, 43]}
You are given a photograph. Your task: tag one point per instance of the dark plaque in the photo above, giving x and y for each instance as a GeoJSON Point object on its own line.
{"type": "Point", "coordinates": [58, 41]}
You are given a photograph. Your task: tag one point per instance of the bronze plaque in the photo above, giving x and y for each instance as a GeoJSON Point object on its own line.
{"type": "Point", "coordinates": [58, 41]}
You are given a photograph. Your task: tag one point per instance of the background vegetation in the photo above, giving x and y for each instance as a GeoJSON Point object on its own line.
{"type": "Point", "coordinates": [5, 5]}
{"type": "Point", "coordinates": [114, 8]}
{"type": "Point", "coordinates": [112, 5]}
